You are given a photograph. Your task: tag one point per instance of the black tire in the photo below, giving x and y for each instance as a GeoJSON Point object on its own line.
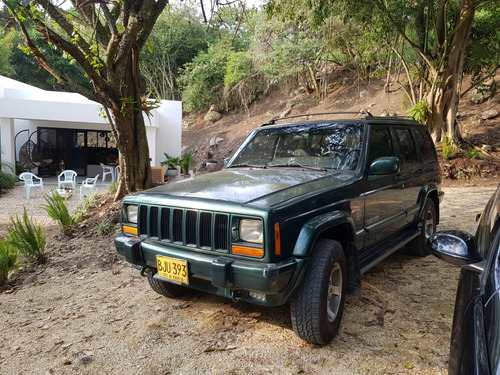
{"type": "Point", "coordinates": [427, 225]}
{"type": "Point", "coordinates": [165, 288]}
{"type": "Point", "coordinates": [317, 306]}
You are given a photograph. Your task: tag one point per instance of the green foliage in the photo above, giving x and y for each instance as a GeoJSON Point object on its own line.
{"type": "Point", "coordinates": [6, 48]}
{"type": "Point", "coordinates": [203, 78]}
{"type": "Point", "coordinates": [57, 209]}
{"type": "Point", "coordinates": [172, 162]}
{"type": "Point", "coordinates": [27, 237]}
{"type": "Point", "coordinates": [473, 154]}
{"type": "Point", "coordinates": [420, 111]}
{"type": "Point", "coordinates": [177, 37]}
{"type": "Point", "coordinates": [88, 203]}
{"type": "Point", "coordinates": [186, 161]}
{"type": "Point", "coordinates": [483, 47]}
{"type": "Point", "coordinates": [7, 180]}
{"type": "Point", "coordinates": [103, 228]}
{"type": "Point", "coordinates": [448, 148]}
{"type": "Point", "coordinates": [112, 187]}
{"type": "Point", "coordinates": [8, 260]}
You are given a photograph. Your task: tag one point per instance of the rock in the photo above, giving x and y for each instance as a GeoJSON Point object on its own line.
{"type": "Point", "coordinates": [477, 96]}
{"type": "Point", "coordinates": [212, 115]}
{"type": "Point", "coordinates": [214, 141]}
{"type": "Point", "coordinates": [489, 114]}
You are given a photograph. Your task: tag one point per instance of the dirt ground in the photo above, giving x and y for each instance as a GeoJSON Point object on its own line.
{"type": "Point", "coordinates": [87, 311]}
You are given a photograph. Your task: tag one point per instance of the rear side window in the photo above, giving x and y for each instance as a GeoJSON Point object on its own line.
{"type": "Point", "coordinates": [407, 151]}
{"type": "Point", "coordinates": [380, 144]}
{"type": "Point", "coordinates": [424, 140]}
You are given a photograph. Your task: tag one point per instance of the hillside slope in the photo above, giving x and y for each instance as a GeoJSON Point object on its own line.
{"type": "Point", "coordinates": [216, 141]}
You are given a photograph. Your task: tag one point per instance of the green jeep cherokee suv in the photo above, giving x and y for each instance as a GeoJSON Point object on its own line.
{"type": "Point", "coordinates": [297, 215]}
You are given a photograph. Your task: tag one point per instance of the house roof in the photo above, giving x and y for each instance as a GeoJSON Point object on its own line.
{"type": "Point", "coordinates": [21, 101]}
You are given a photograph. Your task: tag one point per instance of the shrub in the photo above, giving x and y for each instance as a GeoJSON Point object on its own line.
{"type": "Point", "coordinates": [27, 237]}
{"type": "Point", "coordinates": [89, 202]}
{"type": "Point", "coordinates": [448, 148]}
{"type": "Point", "coordinates": [56, 208]}
{"type": "Point", "coordinates": [7, 180]}
{"type": "Point", "coordinates": [104, 227]}
{"type": "Point", "coordinates": [112, 187]}
{"type": "Point", "coordinates": [8, 260]}
{"type": "Point", "coordinates": [420, 111]}
{"type": "Point", "coordinates": [473, 154]}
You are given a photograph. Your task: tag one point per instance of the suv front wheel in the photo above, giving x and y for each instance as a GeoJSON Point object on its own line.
{"type": "Point", "coordinates": [317, 306]}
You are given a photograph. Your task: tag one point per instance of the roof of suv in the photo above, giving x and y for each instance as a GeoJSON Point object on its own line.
{"type": "Point", "coordinates": [364, 117]}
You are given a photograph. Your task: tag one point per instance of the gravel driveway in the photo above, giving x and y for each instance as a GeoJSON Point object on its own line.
{"type": "Point", "coordinates": [88, 312]}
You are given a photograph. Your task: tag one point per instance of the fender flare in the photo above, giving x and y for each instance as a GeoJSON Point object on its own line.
{"type": "Point", "coordinates": [313, 228]}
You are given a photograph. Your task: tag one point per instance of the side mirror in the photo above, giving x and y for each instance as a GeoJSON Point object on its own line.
{"type": "Point", "coordinates": [454, 247]}
{"type": "Point", "coordinates": [225, 162]}
{"type": "Point", "coordinates": [384, 165]}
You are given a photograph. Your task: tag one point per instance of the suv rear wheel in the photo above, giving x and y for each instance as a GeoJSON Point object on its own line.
{"type": "Point", "coordinates": [165, 288]}
{"type": "Point", "coordinates": [427, 225]}
{"type": "Point", "coordinates": [317, 306]}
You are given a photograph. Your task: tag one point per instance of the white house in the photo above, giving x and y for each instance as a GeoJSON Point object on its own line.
{"type": "Point", "coordinates": [41, 129]}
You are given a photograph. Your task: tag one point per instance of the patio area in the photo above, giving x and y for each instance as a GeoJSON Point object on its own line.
{"type": "Point", "coordinates": [12, 202]}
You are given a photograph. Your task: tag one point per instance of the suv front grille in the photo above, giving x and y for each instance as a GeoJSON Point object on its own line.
{"type": "Point", "coordinates": [193, 228]}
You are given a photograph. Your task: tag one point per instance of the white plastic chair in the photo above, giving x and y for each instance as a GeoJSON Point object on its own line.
{"type": "Point", "coordinates": [67, 177]}
{"type": "Point", "coordinates": [88, 186]}
{"type": "Point", "coordinates": [31, 181]}
{"type": "Point", "coordinates": [107, 169]}
{"type": "Point", "coordinates": [117, 173]}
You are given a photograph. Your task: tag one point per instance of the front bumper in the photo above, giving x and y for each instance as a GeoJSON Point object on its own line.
{"type": "Point", "coordinates": [269, 284]}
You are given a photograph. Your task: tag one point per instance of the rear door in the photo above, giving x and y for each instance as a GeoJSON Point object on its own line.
{"type": "Point", "coordinates": [385, 198]}
{"type": "Point", "coordinates": [411, 171]}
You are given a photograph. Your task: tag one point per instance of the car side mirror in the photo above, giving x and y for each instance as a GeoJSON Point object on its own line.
{"type": "Point", "coordinates": [384, 165]}
{"type": "Point", "coordinates": [455, 247]}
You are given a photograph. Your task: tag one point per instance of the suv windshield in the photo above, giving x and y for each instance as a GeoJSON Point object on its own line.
{"type": "Point", "coordinates": [326, 146]}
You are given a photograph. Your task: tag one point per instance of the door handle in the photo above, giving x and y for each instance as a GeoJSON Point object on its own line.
{"type": "Point", "coordinates": [399, 177]}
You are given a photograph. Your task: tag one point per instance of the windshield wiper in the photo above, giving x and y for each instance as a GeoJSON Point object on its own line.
{"type": "Point", "coordinates": [296, 165]}
{"type": "Point", "coordinates": [246, 165]}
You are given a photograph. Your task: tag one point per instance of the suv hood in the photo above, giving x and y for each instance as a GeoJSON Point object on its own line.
{"type": "Point", "coordinates": [260, 186]}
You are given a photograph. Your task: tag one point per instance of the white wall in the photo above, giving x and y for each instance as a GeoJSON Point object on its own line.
{"type": "Point", "coordinates": [24, 107]}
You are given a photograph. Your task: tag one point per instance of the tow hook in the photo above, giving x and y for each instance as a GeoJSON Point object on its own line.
{"type": "Point", "coordinates": [144, 272]}
{"type": "Point", "coordinates": [235, 295]}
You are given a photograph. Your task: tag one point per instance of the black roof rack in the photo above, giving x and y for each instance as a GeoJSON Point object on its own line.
{"type": "Point", "coordinates": [274, 119]}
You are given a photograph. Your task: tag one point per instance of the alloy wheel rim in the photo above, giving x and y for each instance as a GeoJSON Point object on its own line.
{"type": "Point", "coordinates": [334, 295]}
{"type": "Point", "coordinates": [429, 224]}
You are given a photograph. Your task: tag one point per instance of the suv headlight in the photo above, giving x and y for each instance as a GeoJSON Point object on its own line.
{"type": "Point", "coordinates": [131, 212]}
{"type": "Point", "coordinates": [251, 231]}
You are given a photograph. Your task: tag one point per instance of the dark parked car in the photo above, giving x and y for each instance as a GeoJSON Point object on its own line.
{"type": "Point", "coordinates": [298, 214]}
{"type": "Point", "coordinates": [475, 336]}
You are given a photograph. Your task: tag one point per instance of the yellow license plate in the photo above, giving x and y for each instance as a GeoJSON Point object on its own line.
{"type": "Point", "coordinates": [173, 269]}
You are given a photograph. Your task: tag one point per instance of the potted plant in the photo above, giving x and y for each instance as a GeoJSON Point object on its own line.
{"type": "Point", "coordinates": [172, 163]}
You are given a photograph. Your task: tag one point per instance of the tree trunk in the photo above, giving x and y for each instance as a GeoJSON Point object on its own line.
{"type": "Point", "coordinates": [126, 108]}
{"type": "Point", "coordinates": [443, 97]}
{"type": "Point", "coordinates": [135, 165]}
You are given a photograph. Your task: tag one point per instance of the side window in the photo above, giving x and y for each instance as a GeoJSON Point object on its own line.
{"type": "Point", "coordinates": [407, 151]}
{"type": "Point", "coordinates": [380, 144]}
{"type": "Point", "coordinates": [426, 144]}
